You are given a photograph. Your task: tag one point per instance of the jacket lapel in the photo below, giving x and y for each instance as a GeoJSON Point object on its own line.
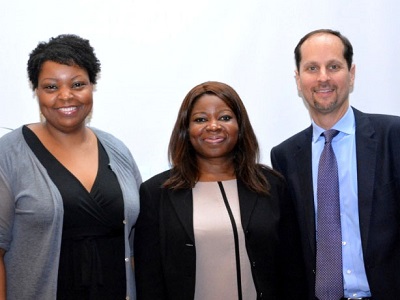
{"type": "Point", "coordinates": [366, 147]}
{"type": "Point", "coordinates": [182, 201]}
{"type": "Point", "coordinates": [304, 186]}
{"type": "Point", "coordinates": [247, 202]}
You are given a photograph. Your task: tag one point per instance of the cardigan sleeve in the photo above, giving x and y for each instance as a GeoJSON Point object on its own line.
{"type": "Point", "coordinates": [7, 212]}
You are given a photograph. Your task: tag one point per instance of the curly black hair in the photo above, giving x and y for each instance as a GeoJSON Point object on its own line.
{"type": "Point", "coordinates": [66, 49]}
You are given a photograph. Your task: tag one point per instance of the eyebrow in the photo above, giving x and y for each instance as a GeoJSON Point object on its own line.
{"type": "Point", "coordinates": [220, 111]}
{"type": "Point", "coordinates": [56, 79]}
{"type": "Point", "coordinates": [335, 61]}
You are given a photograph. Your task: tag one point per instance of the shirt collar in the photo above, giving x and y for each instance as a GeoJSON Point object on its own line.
{"type": "Point", "coordinates": [346, 125]}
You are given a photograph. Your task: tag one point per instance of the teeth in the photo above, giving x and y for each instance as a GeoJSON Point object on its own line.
{"type": "Point", "coordinates": [324, 91]}
{"type": "Point", "coordinates": [67, 109]}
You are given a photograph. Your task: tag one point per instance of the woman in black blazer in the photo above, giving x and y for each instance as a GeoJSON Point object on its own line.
{"type": "Point", "coordinates": [218, 225]}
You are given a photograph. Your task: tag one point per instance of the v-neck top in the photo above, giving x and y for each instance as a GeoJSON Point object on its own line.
{"type": "Point", "coordinates": [92, 249]}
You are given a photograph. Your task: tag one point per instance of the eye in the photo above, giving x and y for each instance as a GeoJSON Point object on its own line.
{"type": "Point", "coordinates": [50, 87]}
{"type": "Point", "coordinates": [312, 68]}
{"type": "Point", "coordinates": [200, 120]}
{"type": "Point", "coordinates": [78, 85]}
{"type": "Point", "coordinates": [225, 118]}
{"type": "Point", "coordinates": [334, 67]}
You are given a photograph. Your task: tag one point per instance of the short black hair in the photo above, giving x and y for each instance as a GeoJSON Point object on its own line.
{"type": "Point", "coordinates": [347, 47]}
{"type": "Point", "coordinates": [66, 49]}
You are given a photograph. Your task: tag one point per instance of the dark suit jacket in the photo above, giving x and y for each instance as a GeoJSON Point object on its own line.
{"type": "Point", "coordinates": [165, 249]}
{"type": "Point", "coordinates": [378, 173]}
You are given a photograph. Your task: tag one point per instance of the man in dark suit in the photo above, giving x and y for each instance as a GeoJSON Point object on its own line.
{"type": "Point", "coordinates": [368, 161]}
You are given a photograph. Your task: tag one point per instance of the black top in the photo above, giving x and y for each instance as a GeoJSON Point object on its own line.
{"type": "Point", "coordinates": [92, 254]}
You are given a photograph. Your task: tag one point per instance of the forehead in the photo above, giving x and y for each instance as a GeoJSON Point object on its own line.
{"type": "Point", "coordinates": [208, 100]}
{"type": "Point", "coordinates": [52, 68]}
{"type": "Point", "coordinates": [321, 47]}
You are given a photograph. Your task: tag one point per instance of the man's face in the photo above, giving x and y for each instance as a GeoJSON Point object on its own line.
{"type": "Point", "coordinates": [323, 78]}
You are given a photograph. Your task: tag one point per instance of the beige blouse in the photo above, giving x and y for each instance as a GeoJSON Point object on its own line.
{"type": "Point", "coordinates": [215, 248]}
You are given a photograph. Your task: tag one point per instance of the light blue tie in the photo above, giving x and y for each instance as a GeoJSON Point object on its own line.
{"type": "Point", "coordinates": [329, 276]}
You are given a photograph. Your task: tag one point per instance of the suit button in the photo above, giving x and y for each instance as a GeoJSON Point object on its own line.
{"type": "Point", "coordinates": [254, 263]}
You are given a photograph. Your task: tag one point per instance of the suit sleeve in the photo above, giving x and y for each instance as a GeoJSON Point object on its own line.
{"type": "Point", "coordinates": [148, 266]}
{"type": "Point", "coordinates": [274, 160]}
{"type": "Point", "coordinates": [290, 250]}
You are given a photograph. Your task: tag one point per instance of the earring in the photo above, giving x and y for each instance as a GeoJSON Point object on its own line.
{"type": "Point", "coordinates": [42, 117]}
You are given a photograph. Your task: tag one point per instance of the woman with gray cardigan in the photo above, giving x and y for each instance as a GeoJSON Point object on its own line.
{"type": "Point", "coordinates": [69, 193]}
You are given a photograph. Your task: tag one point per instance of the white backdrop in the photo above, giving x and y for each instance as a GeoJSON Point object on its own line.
{"type": "Point", "coordinates": [153, 52]}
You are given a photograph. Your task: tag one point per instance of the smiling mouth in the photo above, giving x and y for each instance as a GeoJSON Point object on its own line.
{"type": "Point", "coordinates": [214, 140]}
{"type": "Point", "coordinates": [68, 110]}
{"type": "Point", "coordinates": [321, 91]}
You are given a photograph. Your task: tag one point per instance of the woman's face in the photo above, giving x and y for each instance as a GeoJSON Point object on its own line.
{"type": "Point", "coordinates": [213, 128]}
{"type": "Point", "coordinates": [65, 96]}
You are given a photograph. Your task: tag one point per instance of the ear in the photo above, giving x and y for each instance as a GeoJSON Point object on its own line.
{"type": "Point", "coordinates": [352, 74]}
{"type": "Point", "coordinates": [297, 77]}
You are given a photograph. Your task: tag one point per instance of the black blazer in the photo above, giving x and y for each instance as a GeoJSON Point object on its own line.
{"type": "Point", "coordinates": [378, 173]}
{"type": "Point", "coordinates": [165, 249]}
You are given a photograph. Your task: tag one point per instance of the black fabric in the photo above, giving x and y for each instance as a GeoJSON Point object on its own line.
{"type": "Point", "coordinates": [165, 248]}
{"type": "Point", "coordinates": [92, 264]}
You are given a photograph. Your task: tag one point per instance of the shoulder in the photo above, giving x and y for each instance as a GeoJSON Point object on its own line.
{"type": "Point", "coordinates": [11, 137]}
{"type": "Point", "coordinates": [295, 140]}
{"type": "Point", "coordinates": [376, 118]}
{"type": "Point", "coordinates": [269, 173]}
{"type": "Point", "coordinates": [108, 139]}
{"type": "Point", "coordinates": [114, 146]}
{"type": "Point", "coordinates": [121, 159]}
{"type": "Point", "coordinates": [13, 146]}
{"type": "Point", "coordinates": [152, 189]}
{"type": "Point", "coordinates": [379, 122]}
{"type": "Point", "coordinates": [274, 178]}
{"type": "Point", "coordinates": [4, 130]}
{"type": "Point", "coordinates": [157, 180]}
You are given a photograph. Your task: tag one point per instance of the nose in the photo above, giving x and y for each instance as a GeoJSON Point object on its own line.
{"type": "Point", "coordinates": [213, 126]}
{"type": "Point", "coordinates": [323, 75]}
{"type": "Point", "coordinates": [65, 93]}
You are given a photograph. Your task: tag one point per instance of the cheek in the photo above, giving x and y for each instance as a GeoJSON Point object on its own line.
{"type": "Point", "coordinates": [88, 97]}
{"type": "Point", "coordinates": [234, 135]}
{"type": "Point", "coordinates": [45, 100]}
{"type": "Point", "coordinates": [304, 84]}
{"type": "Point", "coordinates": [348, 83]}
{"type": "Point", "coordinates": [194, 132]}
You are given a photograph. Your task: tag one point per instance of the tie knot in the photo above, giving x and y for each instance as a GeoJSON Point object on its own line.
{"type": "Point", "coordinates": [329, 135]}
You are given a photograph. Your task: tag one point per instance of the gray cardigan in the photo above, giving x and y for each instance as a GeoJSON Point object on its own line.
{"type": "Point", "coordinates": [31, 216]}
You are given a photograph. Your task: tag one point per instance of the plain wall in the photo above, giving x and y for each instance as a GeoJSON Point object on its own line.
{"type": "Point", "coordinates": [153, 52]}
